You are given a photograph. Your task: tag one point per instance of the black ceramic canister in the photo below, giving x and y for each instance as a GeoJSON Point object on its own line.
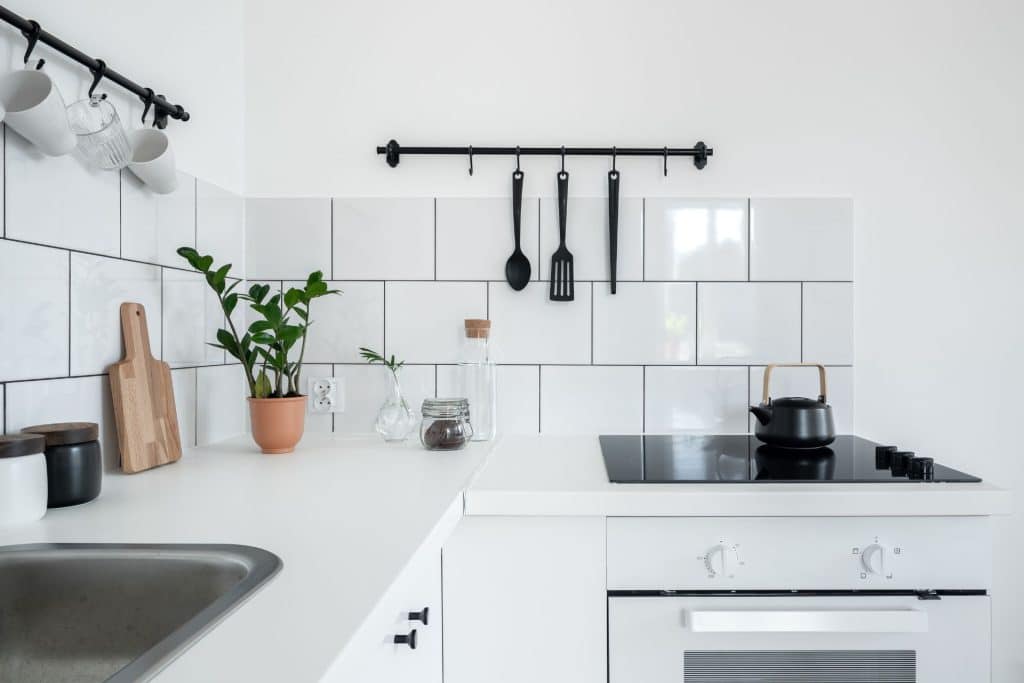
{"type": "Point", "coordinates": [74, 463]}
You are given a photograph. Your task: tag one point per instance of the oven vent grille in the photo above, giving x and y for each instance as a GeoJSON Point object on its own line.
{"type": "Point", "coordinates": [800, 666]}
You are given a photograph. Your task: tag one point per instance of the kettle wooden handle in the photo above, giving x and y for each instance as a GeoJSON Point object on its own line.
{"type": "Point", "coordinates": [823, 392]}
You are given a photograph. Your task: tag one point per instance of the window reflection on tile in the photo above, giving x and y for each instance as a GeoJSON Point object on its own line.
{"type": "Point", "coordinates": [696, 239]}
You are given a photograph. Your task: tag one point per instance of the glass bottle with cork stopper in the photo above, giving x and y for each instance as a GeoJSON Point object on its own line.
{"type": "Point", "coordinates": [477, 375]}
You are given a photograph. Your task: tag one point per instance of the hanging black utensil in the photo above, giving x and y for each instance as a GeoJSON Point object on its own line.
{"type": "Point", "coordinates": [613, 223]}
{"type": "Point", "coordinates": [517, 268]}
{"type": "Point", "coordinates": [562, 286]}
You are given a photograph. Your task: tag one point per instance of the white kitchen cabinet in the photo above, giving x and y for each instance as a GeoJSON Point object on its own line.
{"type": "Point", "coordinates": [374, 657]}
{"type": "Point", "coordinates": [525, 600]}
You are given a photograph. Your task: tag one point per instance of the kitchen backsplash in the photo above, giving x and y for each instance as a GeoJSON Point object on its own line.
{"type": "Point", "coordinates": [709, 291]}
{"type": "Point", "coordinates": [76, 243]}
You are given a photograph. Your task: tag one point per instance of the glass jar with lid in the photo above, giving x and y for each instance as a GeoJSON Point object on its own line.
{"type": "Point", "coordinates": [445, 425]}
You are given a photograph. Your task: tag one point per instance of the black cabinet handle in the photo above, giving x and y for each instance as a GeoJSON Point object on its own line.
{"type": "Point", "coordinates": [422, 615]}
{"type": "Point", "coordinates": [409, 640]}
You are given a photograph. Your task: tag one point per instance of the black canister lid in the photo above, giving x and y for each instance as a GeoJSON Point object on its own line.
{"type": "Point", "coordinates": [16, 445]}
{"type": "Point", "coordinates": [65, 433]}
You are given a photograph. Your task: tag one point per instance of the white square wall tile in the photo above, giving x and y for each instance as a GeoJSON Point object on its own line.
{"type": "Point", "coordinates": [695, 239]}
{"type": "Point", "coordinates": [804, 382]}
{"type": "Point", "coordinates": [748, 322]}
{"type": "Point", "coordinates": [384, 239]}
{"type": "Point", "coordinates": [425, 321]}
{"type": "Point", "coordinates": [34, 305]}
{"type": "Point", "coordinates": [801, 239]}
{"type": "Point", "coordinates": [475, 239]}
{"type": "Point", "coordinates": [220, 226]}
{"type": "Point", "coordinates": [530, 328]}
{"type": "Point", "coordinates": [586, 236]}
{"type": "Point", "coordinates": [221, 407]}
{"type": "Point", "coordinates": [316, 423]}
{"type": "Point", "coordinates": [153, 226]}
{"type": "Point", "coordinates": [78, 399]}
{"type": "Point", "coordinates": [698, 400]}
{"type": "Point", "coordinates": [591, 400]}
{"type": "Point", "coordinates": [518, 389]}
{"type": "Point", "coordinates": [191, 317]}
{"type": "Point", "coordinates": [828, 322]}
{"type": "Point", "coordinates": [98, 288]}
{"type": "Point", "coordinates": [287, 238]}
{"type": "Point", "coordinates": [646, 323]}
{"type": "Point", "coordinates": [59, 201]}
{"type": "Point", "coordinates": [344, 322]}
{"type": "Point", "coordinates": [184, 384]}
{"type": "Point", "coordinates": [366, 387]}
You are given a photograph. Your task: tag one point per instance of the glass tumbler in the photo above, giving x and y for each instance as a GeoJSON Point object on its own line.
{"type": "Point", "coordinates": [101, 138]}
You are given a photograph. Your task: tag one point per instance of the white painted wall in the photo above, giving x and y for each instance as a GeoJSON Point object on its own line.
{"type": "Point", "coordinates": [189, 50]}
{"type": "Point", "coordinates": [912, 108]}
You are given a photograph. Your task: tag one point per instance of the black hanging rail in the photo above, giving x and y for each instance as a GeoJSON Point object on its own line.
{"type": "Point", "coordinates": [34, 33]}
{"type": "Point", "coordinates": [700, 152]}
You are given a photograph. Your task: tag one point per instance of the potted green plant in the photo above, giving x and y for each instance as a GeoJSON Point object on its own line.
{"type": "Point", "coordinates": [277, 408]}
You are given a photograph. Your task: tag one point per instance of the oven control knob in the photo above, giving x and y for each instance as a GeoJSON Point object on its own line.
{"type": "Point", "coordinates": [714, 560]}
{"type": "Point", "coordinates": [872, 559]}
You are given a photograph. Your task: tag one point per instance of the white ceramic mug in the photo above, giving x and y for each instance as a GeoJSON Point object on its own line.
{"type": "Point", "coordinates": [153, 159]}
{"type": "Point", "coordinates": [35, 109]}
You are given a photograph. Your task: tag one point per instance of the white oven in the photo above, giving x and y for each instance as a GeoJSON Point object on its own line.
{"type": "Point", "coordinates": [787, 600]}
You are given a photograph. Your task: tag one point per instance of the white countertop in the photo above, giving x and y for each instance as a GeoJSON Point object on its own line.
{"type": "Point", "coordinates": [345, 516]}
{"type": "Point", "coordinates": [550, 475]}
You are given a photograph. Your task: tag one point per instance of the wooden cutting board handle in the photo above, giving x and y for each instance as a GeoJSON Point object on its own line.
{"type": "Point", "coordinates": [143, 396]}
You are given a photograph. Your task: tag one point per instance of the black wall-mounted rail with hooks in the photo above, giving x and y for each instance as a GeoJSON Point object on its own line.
{"type": "Point", "coordinates": [34, 33]}
{"type": "Point", "coordinates": [700, 152]}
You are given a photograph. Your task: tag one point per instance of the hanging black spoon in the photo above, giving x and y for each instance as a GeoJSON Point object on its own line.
{"type": "Point", "coordinates": [613, 222]}
{"type": "Point", "coordinates": [517, 268]}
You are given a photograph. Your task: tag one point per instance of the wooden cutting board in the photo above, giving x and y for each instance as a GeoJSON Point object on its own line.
{"type": "Point", "coordinates": [147, 420]}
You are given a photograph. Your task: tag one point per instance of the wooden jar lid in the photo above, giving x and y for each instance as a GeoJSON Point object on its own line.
{"type": "Point", "coordinates": [65, 433]}
{"type": "Point", "coordinates": [16, 445]}
{"type": "Point", "coordinates": [478, 328]}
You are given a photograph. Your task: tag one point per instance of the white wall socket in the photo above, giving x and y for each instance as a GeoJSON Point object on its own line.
{"type": "Point", "coordinates": [326, 395]}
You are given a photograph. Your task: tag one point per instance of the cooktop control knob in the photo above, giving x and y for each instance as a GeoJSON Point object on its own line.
{"type": "Point", "coordinates": [872, 559]}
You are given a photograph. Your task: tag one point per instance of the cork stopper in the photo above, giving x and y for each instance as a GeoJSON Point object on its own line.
{"type": "Point", "coordinates": [477, 328]}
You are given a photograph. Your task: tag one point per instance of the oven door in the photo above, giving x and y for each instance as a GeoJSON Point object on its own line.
{"type": "Point", "coordinates": [824, 639]}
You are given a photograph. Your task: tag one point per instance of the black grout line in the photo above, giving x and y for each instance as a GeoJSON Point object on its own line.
{"type": "Point", "coordinates": [195, 213]}
{"type": "Point", "coordinates": [384, 321]}
{"type": "Point", "coordinates": [801, 322]}
{"type": "Point", "coordinates": [488, 302]}
{"type": "Point", "coordinates": [69, 313]}
{"type": "Point", "coordinates": [3, 141]}
{"type": "Point", "coordinates": [96, 253]}
{"type": "Point", "coordinates": [162, 315]}
{"type": "Point", "coordinates": [643, 400]}
{"type": "Point", "coordinates": [195, 412]}
{"type": "Point", "coordinates": [502, 280]}
{"type": "Point", "coordinates": [696, 322]}
{"type": "Point", "coordinates": [591, 323]}
{"type": "Point", "coordinates": [332, 256]}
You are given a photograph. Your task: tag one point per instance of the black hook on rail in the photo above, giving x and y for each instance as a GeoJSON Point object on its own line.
{"type": "Point", "coordinates": [563, 159]}
{"type": "Point", "coordinates": [517, 159]}
{"type": "Point", "coordinates": [97, 74]}
{"type": "Point", "coordinates": [614, 153]}
{"type": "Point", "coordinates": [471, 160]}
{"type": "Point", "coordinates": [665, 168]}
{"type": "Point", "coordinates": [32, 35]}
{"type": "Point", "coordinates": [147, 102]}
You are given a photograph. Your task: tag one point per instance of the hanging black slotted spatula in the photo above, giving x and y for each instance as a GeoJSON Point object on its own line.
{"type": "Point", "coordinates": [561, 260]}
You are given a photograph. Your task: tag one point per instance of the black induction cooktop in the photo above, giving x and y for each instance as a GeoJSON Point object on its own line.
{"type": "Point", "coordinates": [661, 459]}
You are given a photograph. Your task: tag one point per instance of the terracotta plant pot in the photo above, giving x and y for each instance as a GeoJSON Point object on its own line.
{"type": "Point", "coordinates": [277, 423]}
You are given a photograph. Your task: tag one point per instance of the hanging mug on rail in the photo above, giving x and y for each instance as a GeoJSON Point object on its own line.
{"type": "Point", "coordinates": [152, 158]}
{"type": "Point", "coordinates": [101, 138]}
{"type": "Point", "coordinates": [31, 105]}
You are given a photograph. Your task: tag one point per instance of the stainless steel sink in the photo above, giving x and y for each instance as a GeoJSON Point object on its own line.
{"type": "Point", "coordinates": [112, 612]}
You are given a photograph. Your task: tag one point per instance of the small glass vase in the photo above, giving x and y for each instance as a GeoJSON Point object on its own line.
{"type": "Point", "coordinates": [395, 420]}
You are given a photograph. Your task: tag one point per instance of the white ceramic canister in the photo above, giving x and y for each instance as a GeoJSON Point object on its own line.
{"type": "Point", "coordinates": [22, 478]}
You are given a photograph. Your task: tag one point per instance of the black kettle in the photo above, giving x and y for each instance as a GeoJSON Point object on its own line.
{"type": "Point", "coordinates": [794, 422]}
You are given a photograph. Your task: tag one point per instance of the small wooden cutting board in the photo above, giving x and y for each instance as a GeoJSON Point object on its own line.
{"type": "Point", "coordinates": [147, 420]}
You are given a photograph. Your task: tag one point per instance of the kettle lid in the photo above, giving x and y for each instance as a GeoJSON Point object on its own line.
{"type": "Point", "coordinates": [799, 402]}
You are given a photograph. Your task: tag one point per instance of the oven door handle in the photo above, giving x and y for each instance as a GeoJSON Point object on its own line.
{"type": "Point", "coordinates": [807, 621]}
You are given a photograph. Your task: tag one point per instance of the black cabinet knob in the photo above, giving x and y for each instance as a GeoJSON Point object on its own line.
{"type": "Point", "coordinates": [409, 640]}
{"type": "Point", "coordinates": [423, 616]}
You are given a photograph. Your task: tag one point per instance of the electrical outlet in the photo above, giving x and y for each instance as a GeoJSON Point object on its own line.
{"type": "Point", "coordinates": [326, 395]}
